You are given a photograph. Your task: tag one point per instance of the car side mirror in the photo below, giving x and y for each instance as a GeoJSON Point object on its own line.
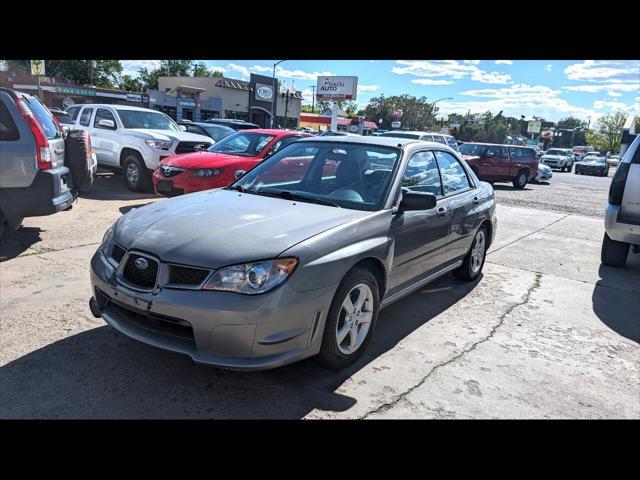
{"type": "Point", "coordinates": [110, 124]}
{"type": "Point", "coordinates": [183, 127]}
{"type": "Point", "coordinates": [417, 201]}
{"type": "Point", "coordinates": [239, 173]}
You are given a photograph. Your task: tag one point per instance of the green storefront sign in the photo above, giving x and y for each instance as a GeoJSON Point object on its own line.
{"type": "Point", "coordinates": [76, 91]}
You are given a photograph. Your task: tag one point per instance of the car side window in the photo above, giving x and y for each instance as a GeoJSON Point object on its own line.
{"type": "Point", "coordinates": [85, 117]}
{"type": "Point", "coordinates": [504, 152]}
{"type": "Point", "coordinates": [440, 139]}
{"type": "Point", "coordinates": [8, 130]}
{"type": "Point", "coordinates": [103, 114]}
{"type": "Point", "coordinates": [422, 174]}
{"type": "Point", "coordinates": [454, 177]}
{"type": "Point", "coordinates": [73, 112]}
{"type": "Point", "coordinates": [493, 151]}
{"type": "Point", "coordinates": [516, 152]}
{"type": "Point", "coordinates": [282, 143]}
{"type": "Point", "coordinates": [194, 129]}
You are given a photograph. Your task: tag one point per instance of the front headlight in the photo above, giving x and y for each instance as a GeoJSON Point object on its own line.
{"type": "Point", "coordinates": [159, 144]}
{"type": "Point", "coordinates": [106, 239]}
{"type": "Point", "coordinates": [206, 172]}
{"type": "Point", "coordinates": [252, 278]}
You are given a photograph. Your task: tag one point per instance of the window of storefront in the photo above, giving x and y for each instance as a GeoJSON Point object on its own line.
{"type": "Point", "coordinates": [236, 115]}
{"type": "Point", "coordinates": [171, 111]}
{"type": "Point", "coordinates": [207, 114]}
{"type": "Point", "coordinates": [290, 123]}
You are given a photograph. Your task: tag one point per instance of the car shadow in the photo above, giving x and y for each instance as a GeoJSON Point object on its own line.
{"type": "Point", "coordinates": [616, 298]}
{"type": "Point", "coordinates": [509, 187]}
{"type": "Point", "coordinates": [15, 242]}
{"type": "Point", "coordinates": [101, 373]}
{"type": "Point", "coordinates": [110, 186]}
{"type": "Point", "coordinates": [128, 208]}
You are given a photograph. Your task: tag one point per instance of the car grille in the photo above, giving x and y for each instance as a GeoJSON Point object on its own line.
{"type": "Point", "coordinates": [117, 253]}
{"type": "Point", "coordinates": [186, 147]}
{"type": "Point", "coordinates": [179, 275]}
{"type": "Point", "coordinates": [169, 171]}
{"type": "Point", "coordinates": [143, 277]}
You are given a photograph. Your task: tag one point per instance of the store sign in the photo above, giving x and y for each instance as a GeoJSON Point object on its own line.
{"type": "Point", "coordinates": [534, 126]}
{"type": "Point", "coordinates": [264, 92]}
{"type": "Point", "coordinates": [337, 88]}
{"type": "Point", "coordinates": [134, 97]}
{"type": "Point", "coordinates": [37, 67]}
{"type": "Point", "coordinates": [395, 124]}
{"type": "Point", "coordinates": [75, 91]}
{"type": "Point", "coordinates": [187, 103]}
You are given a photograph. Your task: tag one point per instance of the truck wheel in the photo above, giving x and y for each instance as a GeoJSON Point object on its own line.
{"type": "Point", "coordinates": [135, 173]}
{"type": "Point", "coordinates": [521, 179]}
{"type": "Point", "coordinates": [474, 261]}
{"type": "Point", "coordinates": [351, 318]}
{"type": "Point", "coordinates": [613, 253]}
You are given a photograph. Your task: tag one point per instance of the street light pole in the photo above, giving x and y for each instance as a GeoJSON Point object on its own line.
{"type": "Point", "coordinates": [433, 105]}
{"type": "Point", "coordinates": [275, 93]}
{"type": "Point", "coordinates": [313, 99]}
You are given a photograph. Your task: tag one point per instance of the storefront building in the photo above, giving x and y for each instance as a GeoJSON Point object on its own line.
{"type": "Point", "coordinates": [322, 123]}
{"type": "Point", "coordinates": [200, 98]}
{"type": "Point", "coordinates": [62, 93]}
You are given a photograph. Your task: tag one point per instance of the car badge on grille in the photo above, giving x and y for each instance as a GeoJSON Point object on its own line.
{"type": "Point", "coordinates": [141, 264]}
{"type": "Point", "coordinates": [167, 170]}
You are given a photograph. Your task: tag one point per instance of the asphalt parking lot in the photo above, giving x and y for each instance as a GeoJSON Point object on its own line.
{"type": "Point", "coordinates": [546, 332]}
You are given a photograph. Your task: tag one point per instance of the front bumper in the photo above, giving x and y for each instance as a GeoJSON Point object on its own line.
{"type": "Point", "coordinates": [224, 329]}
{"type": "Point", "coordinates": [184, 183]}
{"type": "Point", "coordinates": [590, 170]}
{"type": "Point", "coordinates": [620, 231]}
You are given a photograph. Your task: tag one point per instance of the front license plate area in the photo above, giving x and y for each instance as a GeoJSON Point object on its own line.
{"type": "Point", "coordinates": [165, 185]}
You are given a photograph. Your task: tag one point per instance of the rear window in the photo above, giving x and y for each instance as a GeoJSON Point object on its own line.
{"type": "Point", "coordinates": [471, 149]}
{"type": "Point", "coordinates": [8, 130]}
{"type": "Point", "coordinates": [63, 117]}
{"type": "Point", "coordinates": [44, 117]}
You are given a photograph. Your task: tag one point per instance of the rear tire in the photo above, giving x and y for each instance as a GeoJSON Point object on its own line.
{"type": "Point", "coordinates": [334, 352]}
{"type": "Point", "coordinates": [521, 179]}
{"type": "Point", "coordinates": [613, 253]}
{"type": "Point", "coordinates": [474, 261]}
{"type": "Point", "coordinates": [137, 177]}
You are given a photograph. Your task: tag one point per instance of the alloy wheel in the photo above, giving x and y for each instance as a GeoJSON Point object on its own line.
{"type": "Point", "coordinates": [133, 174]}
{"type": "Point", "coordinates": [477, 252]}
{"type": "Point", "coordinates": [354, 319]}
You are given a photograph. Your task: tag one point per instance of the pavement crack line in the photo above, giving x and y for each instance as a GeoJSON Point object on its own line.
{"type": "Point", "coordinates": [527, 235]}
{"type": "Point", "coordinates": [397, 398]}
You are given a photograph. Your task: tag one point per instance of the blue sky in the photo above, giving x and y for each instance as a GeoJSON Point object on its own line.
{"type": "Point", "coordinates": [552, 89]}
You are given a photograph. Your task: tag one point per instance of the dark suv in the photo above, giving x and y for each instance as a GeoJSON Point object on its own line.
{"type": "Point", "coordinates": [501, 163]}
{"type": "Point", "coordinates": [235, 124]}
{"type": "Point", "coordinates": [34, 180]}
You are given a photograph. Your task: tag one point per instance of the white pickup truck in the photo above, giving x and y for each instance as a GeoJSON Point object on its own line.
{"type": "Point", "coordinates": [134, 139]}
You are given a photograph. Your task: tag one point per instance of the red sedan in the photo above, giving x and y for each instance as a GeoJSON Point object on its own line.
{"type": "Point", "coordinates": [215, 167]}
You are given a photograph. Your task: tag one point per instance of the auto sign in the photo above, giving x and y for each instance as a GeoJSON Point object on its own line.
{"type": "Point", "coordinates": [335, 88]}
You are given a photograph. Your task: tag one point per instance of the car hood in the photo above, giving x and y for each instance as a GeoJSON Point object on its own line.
{"type": "Point", "coordinates": [203, 160]}
{"type": "Point", "coordinates": [543, 167]}
{"type": "Point", "coordinates": [215, 228]}
{"type": "Point", "coordinates": [170, 135]}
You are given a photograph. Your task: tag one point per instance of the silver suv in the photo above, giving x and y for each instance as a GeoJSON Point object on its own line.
{"type": "Point", "coordinates": [622, 216]}
{"type": "Point", "coordinates": [34, 180]}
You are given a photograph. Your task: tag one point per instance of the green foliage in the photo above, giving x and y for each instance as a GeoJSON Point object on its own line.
{"type": "Point", "coordinates": [217, 74]}
{"type": "Point", "coordinates": [104, 74]}
{"type": "Point", "coordinates": [417, 113]}
{"type": "Point", "coordinates": [130, 84]}
{"type": "Point", "coordinates": [608, 132]}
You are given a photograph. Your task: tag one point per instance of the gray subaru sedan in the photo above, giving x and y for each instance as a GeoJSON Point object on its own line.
{"type": "Point", "coordinates": [297, 256]}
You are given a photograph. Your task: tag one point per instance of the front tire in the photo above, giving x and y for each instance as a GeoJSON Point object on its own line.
{"type": "Point", "coordinates": [474, 261]}
{"type": "Point", "coordinates": [613, 253]}
{"type": "Point", "coordinates": [137, 177]}
{"type": "Point", "coordinates": [521, 179]}
{"type": "Point", "coordinates": [351, 319]}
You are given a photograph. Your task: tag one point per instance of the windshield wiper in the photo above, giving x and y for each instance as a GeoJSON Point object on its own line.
{"type": "Point", "coordinates": [296, 196]}
{"type": "Point", "coordinates": [239, 188]}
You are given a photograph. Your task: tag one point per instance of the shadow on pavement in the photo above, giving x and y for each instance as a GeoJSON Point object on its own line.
{"type": "Point", "coordinates": [510, 187]}
{"type": "Point", "coordinates": [616, 298]}
{"type": "Point", "coordinates": [128, 208]}
{"type": "Point", "coordinates": [13, 243]}
{"type": "Point", "coordinates": [110, 186]}
{"type": "Point", "coordinates": [100, 373]}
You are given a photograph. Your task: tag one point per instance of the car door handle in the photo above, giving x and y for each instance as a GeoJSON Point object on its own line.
{"type": "Point", "coordinates": [441, 211]}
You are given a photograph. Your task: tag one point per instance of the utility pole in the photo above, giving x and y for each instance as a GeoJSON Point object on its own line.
{"type": "Point", "coordinates": [313, 99]}
{"type": "Point", "coordinates": [275, 93]}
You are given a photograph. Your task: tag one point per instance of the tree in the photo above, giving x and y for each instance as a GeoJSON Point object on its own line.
{"type": "Point", "coordinates": [573, 132]}
{"type": "Point", "coordinates": [101, 73]}
{"type": "Point", "coordinates": [608, 132]}
{"type": "Point", "coordinates": [130, 84]}
{"type": "Point", "coordinates": [417, 113]}
{"type": "Point", "coordinates": [167, 68]}
{"type": "Point", "coordinates": [217, 74]}
{"type": "Point", "coordinates": [201, 70]}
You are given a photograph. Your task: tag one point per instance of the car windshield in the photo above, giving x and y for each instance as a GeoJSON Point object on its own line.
{"type": "Point", "coordinates": [592, 158]}
{"type": "Point", "coordinates": [452, 143]}
{"type": "Point", "coordinates": [338, 174]}
{"type": "Point", "coordinates": [244, 144]}
{"type": "Point", "coordinates": [147, 119]}
{"type": "Point", "coordinates": [218, 132]}
{"type": "Point", "coordinates": [557, 152]}
{"type": "Point", "coordinates": [63, 117]}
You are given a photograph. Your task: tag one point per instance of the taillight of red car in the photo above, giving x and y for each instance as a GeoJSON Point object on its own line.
{"type": "Point", "coordinates": [43, 154]}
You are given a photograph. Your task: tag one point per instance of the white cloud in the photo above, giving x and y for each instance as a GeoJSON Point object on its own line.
{"type": "Point", "coordinates": [516, 100]}
{"type": "Point", "coordinates": [300, 74]}
{"type": "Point", "coordinates": [623, 87]}
{"type": "Point", "coordinates": [504, 62]}
{"type": "Point", "coordinates": [448, 68]}
{"type": "Point", "coordinates": [368, 88]}
{"type": "Point", "coordinates": [548, 67]}
{"type": "Point", "coordinates": [472, 62]}
{"type": "Point", "coordinates": [307, 95]}
{"type": "Point", "coordinates": [614, 71]}
{"type": "Point", "coordinates": [428, 81]}
{"type": "Point", "coordinates": [614, 94]}
{"type": "Point", "coordinates": [241, 69]}
{"type": "Point", "coordinates": [615, 106]}
{"type": "Point", "coordinates": [131, 67]}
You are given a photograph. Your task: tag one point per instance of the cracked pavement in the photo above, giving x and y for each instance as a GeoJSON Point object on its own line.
{"type": "Point", "coordinates": [547, 332]}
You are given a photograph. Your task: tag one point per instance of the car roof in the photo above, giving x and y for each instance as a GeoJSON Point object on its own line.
{"type": "Point", "coordinates": [368, 140]}
{"type": "Point", "coordinates": [273, 131]}
{"type": "Point", "coordinates": [116, 106]}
